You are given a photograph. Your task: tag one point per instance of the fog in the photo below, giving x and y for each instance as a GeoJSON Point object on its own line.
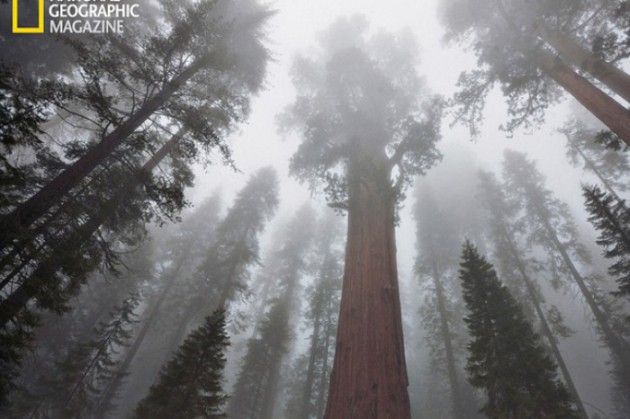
{"type": "Point", "coordinates": [277, 260]}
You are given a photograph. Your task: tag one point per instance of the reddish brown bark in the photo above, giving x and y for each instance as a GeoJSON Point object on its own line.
{"type": "Point", "coordinates": [369, 377]}
{"type": "Point", "coordinates": [617, 80]}
{"type": "Point", "coordinates": [606, 109]}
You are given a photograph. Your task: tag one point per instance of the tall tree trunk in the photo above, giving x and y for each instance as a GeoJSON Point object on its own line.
{"type": "Point", "coordinates": [458, 411]}
{"type": "Point", "coordinates": [615, 79]}
{"type": "Point", "coordinates": [546, 329]}
{"type": "Point", "coordinates": [36, 282]}
{"type": "Point", "coordinates": [310, 370]}
{"type": "Point", "coordinates": [323, 382]}
{"type": "Point", "coordinates": [613, 340]}
{"type": "Point", "coordinates": [36, 206]}
{"type": "Point", "coordinates": [605, 108]}
{"type": "Point", "coordinates": [369, 377]}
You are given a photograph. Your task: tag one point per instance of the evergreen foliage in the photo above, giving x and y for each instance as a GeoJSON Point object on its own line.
{"type": "Point", "coordinates": [611, 217]}
{"type": "Point", "coordinates": [190, 385]}
{"type": "Point", "coordinates": [86, 369]}
{"type": "Point", "coordinates": [506, 359]}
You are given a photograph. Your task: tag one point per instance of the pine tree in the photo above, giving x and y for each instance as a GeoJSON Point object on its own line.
{"type": "Point", "coordinates": [611, 217]}
{"type": "Point", "coordinates": [438, 231]}
{"type": "Point", "coordinates": [308, 382]}
{"type": "Point", "coordinates": [599, 152]}
{"type": "Point", "coordinates": [257, 369]}
{"type": "Point", "coordinates": [506, 359]}
{"type": "Point", "coordinates": [505, 230]}
{"type": "Point", "coordinates": [74, 391]}
{"type": "Point", "coordinates": [190, 385]}
{"type": "Point", "coordinates": [290, 259]}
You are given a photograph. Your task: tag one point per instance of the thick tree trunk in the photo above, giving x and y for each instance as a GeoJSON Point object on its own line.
{"type": "Point", "coordinates": [369, 377]}
{"type": "Point", "coordinates": [36, 206]}
{"type": "Point", "coordinates": [615, 79]}
{"type": "Point", "coordinates": [458, 411]}
{"type": "Point", "coordinates": [36, 282]}
{"type": "Point", "coordinates": [606, 109]}
{"type": "Point", "coordinates": [546, 329]}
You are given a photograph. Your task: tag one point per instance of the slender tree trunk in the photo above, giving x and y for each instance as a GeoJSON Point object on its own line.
{"type": "Point", "coordinates": [369, 377]}
{"type": "Point", "coordinates": [615, 79]}
{"type": "Point", "coordinates": [130, 355]}
{"type": "Point", "coordinates": [36, 283]}
{"type": "Point", "coordinates": [591, 166]}
{"type": "Point", "coordinates": [606, 109]}
{"type": "Point", "coordinates": [36, 206]}
{"type": "Point", "coordinates": [458, 411]}
{"type": "Point", "coordinates": [533, 295]}
{"type": "Point", "coordinates": [323, 382]}
{"type": "Point", "coordinates": [310, 371]}
{"type": "Point", "coordinates": [273, 384]}
{"type": "Point", "coordinates": [614, 341]}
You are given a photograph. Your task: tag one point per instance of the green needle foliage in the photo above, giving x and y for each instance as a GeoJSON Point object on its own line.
{"type": "Point", "coordinates": [506, 359]}
{"type": "Point", "coordinates": [190, 385]}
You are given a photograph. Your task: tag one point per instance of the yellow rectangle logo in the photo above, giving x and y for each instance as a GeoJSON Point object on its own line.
{"type": "Point", "coordinates": [29, 29]}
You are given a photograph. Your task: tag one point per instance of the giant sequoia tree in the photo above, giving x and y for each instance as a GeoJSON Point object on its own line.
{"type": "Point", "coordinates": [366, 133]}
{"type": "Point", "coordinates": [506, 358]}
{"type": "Point", "coordinates": [531, 48]}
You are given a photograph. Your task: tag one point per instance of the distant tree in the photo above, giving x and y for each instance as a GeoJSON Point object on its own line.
{"type": "Point", "coordinates": [551, 226]}
{"type": "Point", "coordinates": [307, 385]}
{"type": "Point", "coordinates": [257, 369]}
{"type": "Point", "coordinates": [437, 233]}
{"type": "Point", "coordinates": [530, 49]}
{"type": "Point", "coordinates": [363, 125]}
{"type": "Point", "coordinates": [515, 267]}
{"type": "Point", "coordinates": [611, 217]}
{"type": "Point", "coordinates": [506, 358]}
{"type": "Point", "coordinates": [185, 247]}
{"type": "Point", "coordinates": [83, 374]}
{"type": "Point", "coordinates": [599, 152]}
{"type": "Point", "coordinates": [222, 275]}
{"type": "Point", "coordinates": [190, 385]}
{"type": "Point", "coordinates": [290, 256]}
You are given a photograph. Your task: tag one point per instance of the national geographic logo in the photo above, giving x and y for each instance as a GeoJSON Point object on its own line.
{"type": "Point", "coordinates": [76, 16]}
{"type": "Point", "coordinates": [28, 29]}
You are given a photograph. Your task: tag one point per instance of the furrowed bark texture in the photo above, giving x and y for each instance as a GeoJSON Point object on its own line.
{"type": "Point", "coordinates": [369, 377]}
{"type": "Point", "coordinates": [602, 106]}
